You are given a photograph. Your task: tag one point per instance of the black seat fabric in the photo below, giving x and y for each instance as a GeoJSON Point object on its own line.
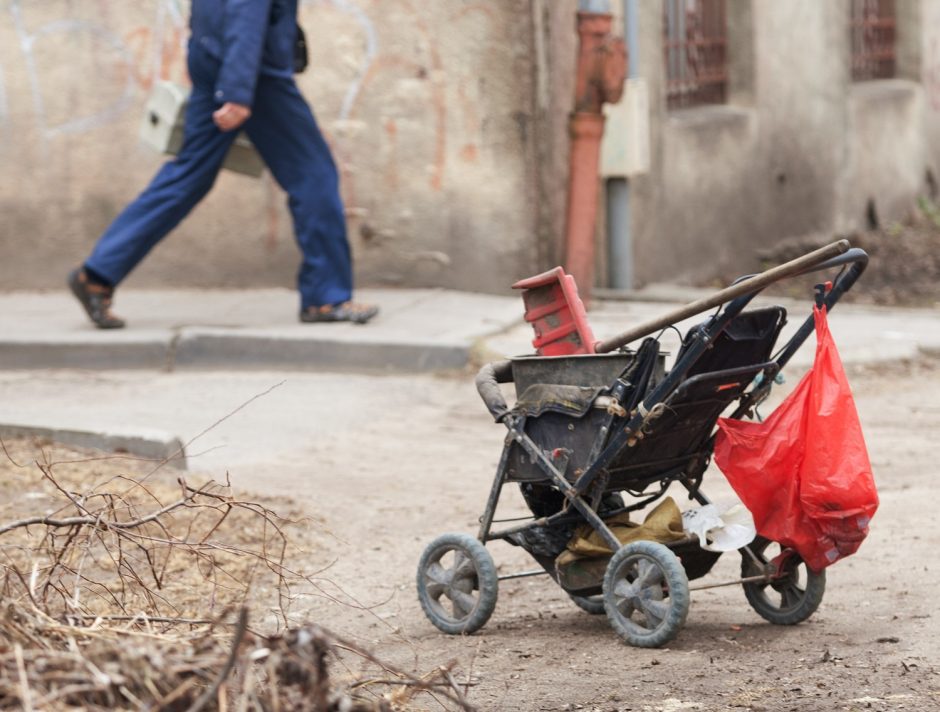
{"type": "Point", "coordinates": [747, 340]}
{"type": "Point", "coordinates": [682, 426]}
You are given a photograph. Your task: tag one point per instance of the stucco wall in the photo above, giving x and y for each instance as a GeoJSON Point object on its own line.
{"type": "Point", "coordinates": [799, 148]}
{"type": "Point", "coordinates": [928, 66]}
{"type": "Point", "coordinates": [886, 158]}
{"type": "Point", "coordinates": [449, 123]}
{"type": "Point", "coordinates": [430, 109]}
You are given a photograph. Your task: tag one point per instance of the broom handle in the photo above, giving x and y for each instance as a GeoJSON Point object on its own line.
{"type": "Point", "coordinates": [749, 285]}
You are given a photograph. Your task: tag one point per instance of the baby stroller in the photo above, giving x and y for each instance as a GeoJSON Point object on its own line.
{"type": "Point", "coordinates": [593, 437]}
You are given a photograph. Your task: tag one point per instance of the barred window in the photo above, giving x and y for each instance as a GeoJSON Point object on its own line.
{"type": "Point", "coordinates": [873, 30]}
{"type": "Point", "coordinates": [695, 38]}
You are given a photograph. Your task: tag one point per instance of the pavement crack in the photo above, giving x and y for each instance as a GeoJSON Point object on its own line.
{"type": "Point", "coordinates": [170, 365]}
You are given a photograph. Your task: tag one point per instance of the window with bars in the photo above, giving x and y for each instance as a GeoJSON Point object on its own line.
{"type": "Point", "coordinates": [695, 38]}
{"type": "Point", "coordinates": [873, 30]}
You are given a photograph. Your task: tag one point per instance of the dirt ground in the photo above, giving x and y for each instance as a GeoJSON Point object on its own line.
{"type": "Point", "coordinates": [874, 643]}
{"type": "Point", "coordinates": [399, 482]}
{"type": "Point", "coordinates": [379, 492]}
{"type": "Point", "coordinates": [905, 260]}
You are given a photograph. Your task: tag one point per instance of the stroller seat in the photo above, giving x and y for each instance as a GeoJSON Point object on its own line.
{"type": "Point", "coordinates": [567, 419]}
{"type": "Point", "coordinates": [678, 429]}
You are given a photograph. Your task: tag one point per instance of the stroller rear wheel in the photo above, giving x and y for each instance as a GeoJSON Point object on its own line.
{"type": "Point", "coordinates": [589, 604]}
{"type": "Point", "coordinates": [457, 583]}
{"type": "Point", "coordinates": [789, 599]}
{"type": "Point", "coordinates": [646, 594]}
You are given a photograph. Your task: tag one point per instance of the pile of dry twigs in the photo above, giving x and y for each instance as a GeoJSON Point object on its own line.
{"type": "Point", "coordinates": [128, 595]}
{"type": "Point", "coordinates": [46, 664]}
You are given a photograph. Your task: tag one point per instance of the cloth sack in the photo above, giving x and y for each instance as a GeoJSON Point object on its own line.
{"type": "Point", "coordinates": [662, 524]}
{"type": "Point", "coordinates": [583, 563]}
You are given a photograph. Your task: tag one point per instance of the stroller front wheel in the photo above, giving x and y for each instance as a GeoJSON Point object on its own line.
{"type": "Point", "coordinates": [457, 583]}
{"type": "Point", "coordinates": [646, 594]}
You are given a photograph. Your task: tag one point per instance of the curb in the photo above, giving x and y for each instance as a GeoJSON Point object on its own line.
{"type": "Point", "coordinates": [148, 354]}
{"type": "Point", "coordinates": [202, 350]}
{"type": "Point", "coordinates": [929, 350]}
{"type": "Point", "coordinates": [197, 350]}
{"type": "Point", "coordinates": [154, 445]}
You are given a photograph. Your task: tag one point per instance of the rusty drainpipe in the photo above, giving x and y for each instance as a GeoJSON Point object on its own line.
{"type": "Point", "coordinates": [602, 69]}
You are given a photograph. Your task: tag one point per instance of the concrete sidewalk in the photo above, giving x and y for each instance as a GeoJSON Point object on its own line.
{"type": "Point", "coordinates": [190, 357]}
{"type": "Point", "coordinates": [417, 330]}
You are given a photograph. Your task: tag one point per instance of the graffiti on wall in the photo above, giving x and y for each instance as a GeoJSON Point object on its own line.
{"type": "Point", "coordinates": [448, 104]}
{"type": "Point", "coordinates": [154, 50]}
{"type": "Point", "coordinates": [348, 7]}
{"type": "Point", "coordinates": [143, 55]}
{"type": "Point", "coordinates": [401, 100]}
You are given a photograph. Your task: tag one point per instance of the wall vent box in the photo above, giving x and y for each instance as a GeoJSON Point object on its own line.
{"type": "Point", "coordinates": [162, 129]}
{"type": "Point", "coordinates": [625, 149]}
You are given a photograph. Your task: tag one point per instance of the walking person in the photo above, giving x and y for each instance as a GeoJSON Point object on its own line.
{"type": "Point", "coordinates": [241, 64]}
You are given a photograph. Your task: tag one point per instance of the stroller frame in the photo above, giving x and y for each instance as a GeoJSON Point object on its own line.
{"type": "Point", "coordinates": [647, 575]}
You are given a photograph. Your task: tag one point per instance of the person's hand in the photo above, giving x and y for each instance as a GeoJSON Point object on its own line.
{"type": "Point", "coordinates": [231, 116]}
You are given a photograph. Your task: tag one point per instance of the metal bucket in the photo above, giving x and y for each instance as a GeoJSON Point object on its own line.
{"type": "Point", "coordinates": [592, 370]}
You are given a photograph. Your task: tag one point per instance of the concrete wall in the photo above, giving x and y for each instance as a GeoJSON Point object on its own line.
{"type": "Point", "coordinates": [431, 108]}
{"type": "Point", "coordinates": [799, 148]}
{"type": "Point", "coordinates": [928, 66]}
{"type": "Point", "coordinates": [449, 123]}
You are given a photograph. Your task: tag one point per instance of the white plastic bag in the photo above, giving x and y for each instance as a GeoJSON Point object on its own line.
{"type": "Point", "coordinates": [720, 527]}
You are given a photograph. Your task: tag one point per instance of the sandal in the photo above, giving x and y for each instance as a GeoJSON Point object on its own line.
{"type": "Point", "coordinates": [347, 311]}
{"type": "Point", "coordinates": [95, 299]}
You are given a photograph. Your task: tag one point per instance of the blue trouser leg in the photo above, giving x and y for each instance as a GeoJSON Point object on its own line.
{"type": "Point", "coordinates": [284, 131]}
{"type": "Point", "coordinates": [172, 194]}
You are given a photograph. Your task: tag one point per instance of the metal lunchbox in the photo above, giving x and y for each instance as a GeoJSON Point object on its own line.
{"type": "Point", "coordinates": [162, 129]}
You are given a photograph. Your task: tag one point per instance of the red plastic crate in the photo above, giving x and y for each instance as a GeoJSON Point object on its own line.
{"type": "Point", "coordinates": [557, 314]}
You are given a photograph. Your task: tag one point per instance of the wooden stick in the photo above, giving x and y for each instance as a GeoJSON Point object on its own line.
{"type": "Point", "coordinates": [25, 696]}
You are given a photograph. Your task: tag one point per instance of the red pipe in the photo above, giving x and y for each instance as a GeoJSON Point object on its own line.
{"type": "Point", "coordinates": [602, 69]}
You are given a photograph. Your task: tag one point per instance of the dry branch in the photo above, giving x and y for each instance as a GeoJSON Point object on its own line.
{"type": "Point", "coordinates": [111, 600]}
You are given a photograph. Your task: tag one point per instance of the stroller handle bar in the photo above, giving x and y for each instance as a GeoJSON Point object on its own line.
{"type": "Point", "coordinates": [809, 262]}
{"type": "Point", "coordinates": [856, 257]}
{"type": "Point", "coordinates": [836, 254]}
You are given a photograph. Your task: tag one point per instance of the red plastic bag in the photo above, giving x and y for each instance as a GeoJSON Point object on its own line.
{"type": "Point", "coordinates": [804, 472]}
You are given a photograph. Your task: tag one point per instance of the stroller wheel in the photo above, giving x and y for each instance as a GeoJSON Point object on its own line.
{"type": "Point", "coordinates": [589, 604]}
{"type": "Point", "coordinates": [789, 599]}
{"type": "Point", "coordinates": [646, 594]}
{"type": "Point", "coordinates": [457, 583]}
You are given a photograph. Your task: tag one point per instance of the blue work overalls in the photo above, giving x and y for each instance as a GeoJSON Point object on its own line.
{"type": "Point", "coordinates": [242, 51]}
